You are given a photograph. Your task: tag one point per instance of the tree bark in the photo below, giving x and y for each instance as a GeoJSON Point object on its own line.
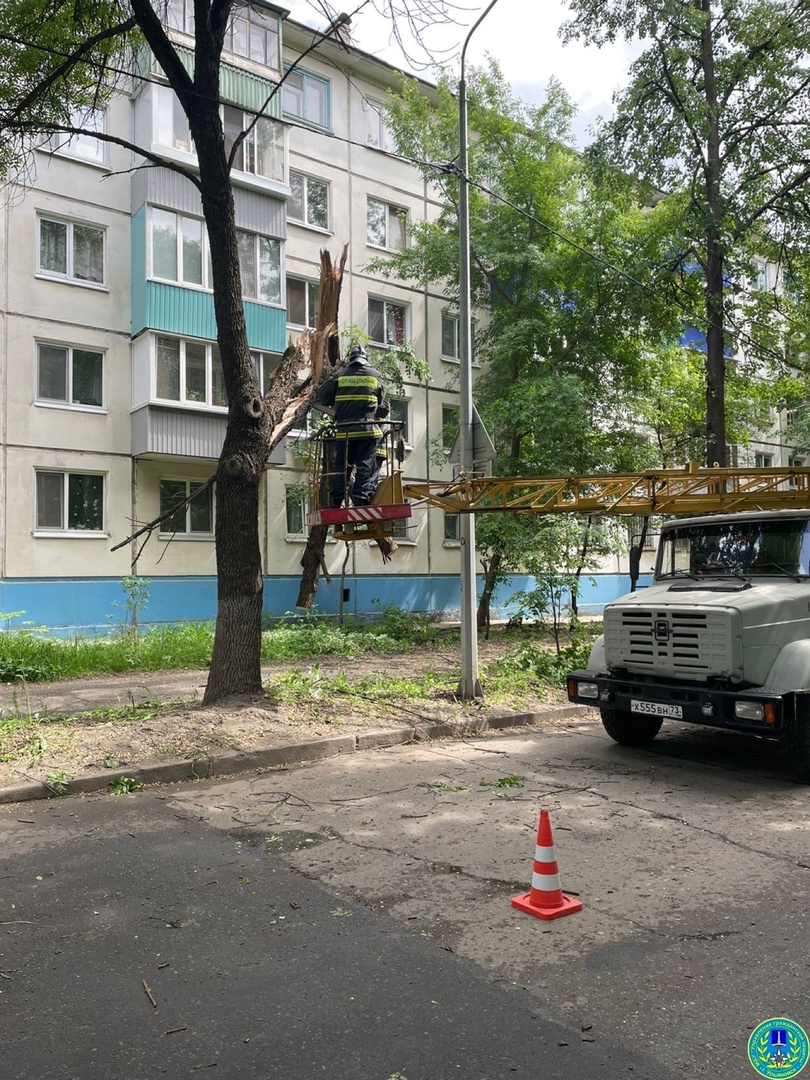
{"type": "Point", "coordinates": [331, 283]}
{"type": "Point", "coordinates": [716, 450]}
{"type": "Point", "coordinates": [490, 581]}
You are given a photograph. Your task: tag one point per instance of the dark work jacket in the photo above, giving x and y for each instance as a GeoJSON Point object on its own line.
{"type": "Point", "coordinates": [357, 395]}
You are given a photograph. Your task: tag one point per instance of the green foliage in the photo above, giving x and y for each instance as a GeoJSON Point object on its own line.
{"type": "Point", "coordinates": [124, 785]}
{"type": "Point", "coordinates": [136, 592]}
{"type": "Point", "coordinates": [545, 664]}
{"type": "Point", "coordinates": [58, 781]}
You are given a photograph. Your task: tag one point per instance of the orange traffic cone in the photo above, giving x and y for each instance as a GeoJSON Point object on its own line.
{"type": "Point", "coordinates": [546, 899]}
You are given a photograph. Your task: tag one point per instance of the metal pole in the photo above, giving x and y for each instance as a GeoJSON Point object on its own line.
{"type": "Point", "coordinates": [469, 685]}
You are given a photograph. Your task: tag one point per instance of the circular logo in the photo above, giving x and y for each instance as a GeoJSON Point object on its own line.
{"type": "Point", "coordinates": [779, 1048]}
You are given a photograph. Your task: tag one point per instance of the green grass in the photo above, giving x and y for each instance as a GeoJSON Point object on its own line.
{"type": "Point", "coordinates": [37, 656]}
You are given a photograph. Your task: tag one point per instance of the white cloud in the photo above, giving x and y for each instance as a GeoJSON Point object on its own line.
{"type": "Point", "coordinates": [523, 39]}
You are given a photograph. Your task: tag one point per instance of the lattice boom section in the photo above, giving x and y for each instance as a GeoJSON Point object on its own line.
{"type": "Point", "coordinates": [668, 491]}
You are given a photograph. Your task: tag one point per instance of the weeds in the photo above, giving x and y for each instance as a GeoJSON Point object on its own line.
{"type": "Point", "coordinates": [58, 781]}
{"type": "Point", "coordinates": [124, 785]}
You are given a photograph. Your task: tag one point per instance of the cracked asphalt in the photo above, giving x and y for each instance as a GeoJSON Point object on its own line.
{"type": "Point", "coordinates": [691, 858]}
{"type": "Point", "coordinates": [351, 917]}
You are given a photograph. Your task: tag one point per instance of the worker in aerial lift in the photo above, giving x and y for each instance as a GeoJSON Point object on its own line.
{"type": "Point", "coordinates": [356, 397]}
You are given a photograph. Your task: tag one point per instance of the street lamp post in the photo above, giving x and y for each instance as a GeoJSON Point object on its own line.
{"type": "Point", "coordinates": [469, 685]}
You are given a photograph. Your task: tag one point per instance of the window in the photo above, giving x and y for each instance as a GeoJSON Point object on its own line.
{"type": "Point", "coordinates": [451, 419]}
{"type": "Point", "coordinates": [302, 302]}
{"type": "Point", "coordinates": [260, 264]}
{"type": "Point", "coordinates": [386, 226]}
{"type": "Point", "coordinates": [253, 35]}
{"type": "Point", "coordinates": [179, 248]}
{"type": "Point", "coordinates": [265, 365]}
{"type": "Point", "coordinates": [451, 527]}
{"type": "Point", "coordinates": [262, 150]}
{"type": "Point", "coordinates": [791, 416]}
{"type": "Point", "coordinates": [451, 340]}
{"type": "Point", "coordinates": [196, 518]}
{"type": "Point", "coordinates": [386, 322]}
{"type": "Point", "coordinates": [763, 461]}
{"type": "Point", "coordinates": [71, 251]}
{"type": "Point", "coordinates": [171, 124]}
{"type": "Point", "coordinates": [376, 132]}
{"type": "Point", "coordinates": [635, 526]}
{"type": "Point", "coordinates": [399, 414]}
{"type": "Point", "coordinates": [795, 463]}
{"type": "Point", "coordinates": [189, 372]}
{"type": "Point", "coordinates": [296, 511]}
{"type": "Point", "coordinates": [306, 97]}
{"type": "Point", "coordinates": [70, 502]}
{"type": "Point", "coordinates": [69, 376]}
{"type": "Point", "coordinates": [762, 276]}
{"type": "Point", "coordinates": [83, 146]}
{"type": "Point", "coordinates": [309, 201]}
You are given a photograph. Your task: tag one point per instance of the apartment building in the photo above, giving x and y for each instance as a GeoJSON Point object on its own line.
{"type": "Point", "coordinates": [113, 402]}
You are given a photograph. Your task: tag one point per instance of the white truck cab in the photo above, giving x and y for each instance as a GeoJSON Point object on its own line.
{"type": "Point", "coordinates": [721, 637]}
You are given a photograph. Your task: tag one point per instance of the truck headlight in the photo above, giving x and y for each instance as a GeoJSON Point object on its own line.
{"type": "Point", "coordinates": [749, 710]}
{"type": "Point", "coordinates": [586, 690]}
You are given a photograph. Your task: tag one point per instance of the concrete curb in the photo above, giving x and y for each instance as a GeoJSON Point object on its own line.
{"type": "Point", "coordinates": [270, 756]}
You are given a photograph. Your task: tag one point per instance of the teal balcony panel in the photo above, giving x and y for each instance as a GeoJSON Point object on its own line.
{"type": "Point", "coordinates": [237, 86]}
{"type": "Point", "coordinates": [174, 309]}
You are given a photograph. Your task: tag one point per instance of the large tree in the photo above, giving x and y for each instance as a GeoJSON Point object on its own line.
{"type": "Point", "coordinates": [59, 54]}
{"type": "Point", "coordinates": [716, 115]}
{"type": "Point", "coordinates": [569, 268]}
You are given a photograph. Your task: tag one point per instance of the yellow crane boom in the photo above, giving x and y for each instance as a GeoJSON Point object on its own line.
{"type": "Point", "coordinates": [692, 490]}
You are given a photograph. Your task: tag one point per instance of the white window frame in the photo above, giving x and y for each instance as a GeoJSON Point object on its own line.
{"type": "Point", "coordinates": [763, 460]}
{"type": "Point", "coordinates": [406, 431]}
{"type": "Point", "coordinates": [310, 301]}
{"type": "Point", "coordinates": [377, 133]}
{"type": "Point", "coordinates": [257, 283]}
{"type": "Point", "coordinates": [68, 402]}
{"type": "Point", "coordinates": [260, 22]}
{"type": "Point", "coordinates": [187, 533]}
{"type": "Point", "coordinates": [265, 364]}
{"type": "Point", "coordinates": [179, 279]}
{"type": "Point", "coordinates": [454, 540]}
{"type": "Point", "coordinates": [64, 530]}
{"type": "Point", "coordinates": [288, 501]}
{"type": "Point", "coordinates": [181, 141]}
{"type": "Point", "coordinates": [405, 308]}
{"type": "Point", "coordinates": [447, 408]}
{"type": "Point", "coordinates": [248, 149]}
{"type": "Point", "coordinates": [306, 181]}
{"type": "Point", "coordinates": [391, 210]}
{"type": "Point", "coordinates": [82, 148]}
{"type": "Point", "coordinates": [453, 358]}
{"type": "Point", "coordinates": [183, 402]}
{"type": "Point", "coordinates": [68, 276]}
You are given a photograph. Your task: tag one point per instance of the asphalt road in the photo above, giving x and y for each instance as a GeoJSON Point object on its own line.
{"type": "Point", "coordinates": [351, 919]}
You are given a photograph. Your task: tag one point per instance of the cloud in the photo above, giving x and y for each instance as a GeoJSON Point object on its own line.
{"type": "Point", "coordinates": [524, 40]}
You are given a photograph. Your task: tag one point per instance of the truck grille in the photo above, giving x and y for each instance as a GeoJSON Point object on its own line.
{"type": "Point", "coordinates": [675, 642]}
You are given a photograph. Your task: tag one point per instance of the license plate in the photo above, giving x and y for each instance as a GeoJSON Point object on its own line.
{"type": "Point", "coordinates": [655, 708]}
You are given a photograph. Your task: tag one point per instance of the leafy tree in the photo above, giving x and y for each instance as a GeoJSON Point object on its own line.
{"type": "Point", "coordinates": [715, 116]}
{"type": "Point", "coordinates": [56, 55]}
{"type": "Point", "coordinates": [560, 259]}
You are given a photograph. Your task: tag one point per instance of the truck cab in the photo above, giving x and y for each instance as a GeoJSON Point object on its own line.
{"type": "Point", "coordinates": [720, 638]}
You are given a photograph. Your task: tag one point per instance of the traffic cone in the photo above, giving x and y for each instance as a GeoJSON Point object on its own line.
{"type": "Point", "coordinates": [545, 898]}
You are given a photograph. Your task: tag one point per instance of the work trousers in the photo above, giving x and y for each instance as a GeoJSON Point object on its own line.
{"type": "Point", "coordinates": [358, 454]}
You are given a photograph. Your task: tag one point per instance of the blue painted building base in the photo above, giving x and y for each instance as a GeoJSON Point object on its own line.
{"type": "Point", "coordinates": [98, 605]}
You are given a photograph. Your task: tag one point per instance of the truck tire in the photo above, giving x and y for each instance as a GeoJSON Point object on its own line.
{"type": "Point", "coordinates": [796, 746]}
{"type": "Point", "coordinates": [627, 729]}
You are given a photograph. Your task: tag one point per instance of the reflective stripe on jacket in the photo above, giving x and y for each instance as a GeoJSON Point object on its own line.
{"type": "Point", "coordinates": [356, 395]}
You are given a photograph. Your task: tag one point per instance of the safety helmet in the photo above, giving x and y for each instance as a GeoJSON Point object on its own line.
{"type": "Point", "coordinates": [357, 352]}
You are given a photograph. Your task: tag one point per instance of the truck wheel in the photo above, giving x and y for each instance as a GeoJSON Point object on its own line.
{"type": "Point", "coordinates": [797, 746]}
{"type": "Point", "coordinates": [627, 729]}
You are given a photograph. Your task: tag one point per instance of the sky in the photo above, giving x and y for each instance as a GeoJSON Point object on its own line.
{"type": "Point", "coordinates": [522, 35]}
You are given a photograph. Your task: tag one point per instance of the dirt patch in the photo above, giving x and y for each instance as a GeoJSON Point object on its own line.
{"type": "Point", "coordinates": [59, 731]}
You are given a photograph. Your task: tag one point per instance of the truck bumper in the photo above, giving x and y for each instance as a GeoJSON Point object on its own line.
{"type": "Point", "coordinates": [763, 711]}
